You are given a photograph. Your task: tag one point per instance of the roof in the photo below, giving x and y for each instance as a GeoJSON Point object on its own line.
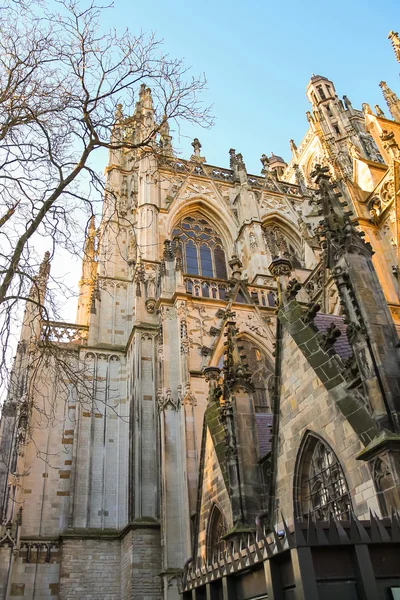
{"type": "Point", "coordinates": [274, 158]}
{"type": "Point", "coordinates": [264, 430]}
{"type": "Point", "coordinates": [342, 345]}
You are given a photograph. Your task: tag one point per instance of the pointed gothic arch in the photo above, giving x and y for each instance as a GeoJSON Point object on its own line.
{"type": "Point", "coordinates": [216, 529]}
{"type": "Point", "coordinates": [281, 239]}
{"type": "Point", "coordinates": [319, 488]}
{"type": "Point", "coordinates": [201, 246]}
{"type": "Point", "coordinates": [213, 211]}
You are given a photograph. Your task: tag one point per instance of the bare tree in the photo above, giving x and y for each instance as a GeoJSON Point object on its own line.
{"type": "Point", "coordinates": [62, 81]}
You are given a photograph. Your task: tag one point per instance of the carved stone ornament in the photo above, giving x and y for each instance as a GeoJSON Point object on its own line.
{"type": "Point", "coordinates": [188, 397]}
{"type": "Point", "coordinates": [150, 305]}
{"type": "Point", "coordinates": [165, 399]}
{"type": "Point", "coordinates": [280, 267]}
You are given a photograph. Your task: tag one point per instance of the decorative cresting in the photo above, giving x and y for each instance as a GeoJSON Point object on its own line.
{"type": "Point", "coordinates": [320, 487]}
{"type": "Point", "coordinates": [200, 247]}
{"type": "Point", "coordinates": [274, 548]}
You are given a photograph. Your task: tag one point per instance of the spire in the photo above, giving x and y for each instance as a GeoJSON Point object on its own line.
{"type": "Point", "coordinates": [38, 287]}
{"type": "Point", "coordinates": [88, 279]}
{"type": "Point", "coordinates": [165, 137]}
{"type": "Point", "coordinates": [337, 226]}
{"type": "Point", "coordinates": [89, 249]}
{"type": "Point", "coordinates": [392, 101]}
{"type": "Point", "coordinates": [144, 114]}
{"type": "Point", "coordinates": [394, 38]}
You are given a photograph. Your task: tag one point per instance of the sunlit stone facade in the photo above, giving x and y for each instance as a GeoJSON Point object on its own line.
{"type": "Point", "coordinates": [238, 362]}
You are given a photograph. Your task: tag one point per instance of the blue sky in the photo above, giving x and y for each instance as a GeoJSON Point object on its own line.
{"type": "Point", "coordinates": [259, 56]}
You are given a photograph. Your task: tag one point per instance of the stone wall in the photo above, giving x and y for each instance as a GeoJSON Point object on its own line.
{"type": "Point", "coordinates": [306, 405]}
{"type": "Point", "coordinates": [90, 569]}
{"type": "Point", "coordinates": [146, 564]}
{"type": "Point", "coordinates": [214, 491]}
{"type": "Point", "coordinates": [35, 576]}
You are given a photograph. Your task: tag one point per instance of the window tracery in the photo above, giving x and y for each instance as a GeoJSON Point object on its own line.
{"type": "Point", "coordinates": [215, 533]}
{"type": "Point", "coordinates": [322, 488]}
{"type": "Point", "coordinates": [201, 247]}
{"type": "Point", "coordinates": [279, 244]}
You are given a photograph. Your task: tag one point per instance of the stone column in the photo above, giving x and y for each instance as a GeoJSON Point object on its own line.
{"type": "Point", "coordinates": [174, 493]}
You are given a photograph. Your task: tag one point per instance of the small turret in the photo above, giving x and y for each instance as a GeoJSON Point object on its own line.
{"type": "Point", "coordinates": [320, 90]}
{"type": "Point", "coordinates": [89, 268]}
{"type": "Point", "coordinates": [277, 165]}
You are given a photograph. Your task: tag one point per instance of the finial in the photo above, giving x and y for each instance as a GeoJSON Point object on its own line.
{"type": "Point", "coordinates": [347, 102]}
{"type": "Point", "coordinates": [293, 146]}
{"type": "Point", "coordinates": [196, 146]}
{"type": "Point", "coordinates": [367, 110]}
{"type": "Point", "coordinates": [240, 161]}
{"type": "Point", "coordinates": [265, 164]}
{"type": "Point", "coordinates": [379, 111]}
{"type": "Point", "coordinates": [392, 100]}
{"type": "Point", "coordinates": [394, 38]}
{"type": "Point", "coordinates": [165, 137]}
{"type": "Point", "coordinates": [40, 281]}
{"type": "Point", "coordinates": [118, 113]}
{"type": "Point", "coordinates": [196, 149]}
{"type": "Point", "coordinates": [390, 144]}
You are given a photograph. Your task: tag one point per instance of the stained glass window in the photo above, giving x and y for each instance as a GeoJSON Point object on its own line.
{"type": "Point", "coordinates": [215, 533]}
{"type": "Point", "coordinates": [323, 486]}
{"type": "Point", "coordinates": [201, 246]}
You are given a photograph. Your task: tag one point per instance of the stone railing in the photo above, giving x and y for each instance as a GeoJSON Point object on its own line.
{"type": "Point", "coordinates": [220, 174]}
{"type": "Point", "coordinates": [64, 333]}
{"type": "Point", "coordinates": [203, 287]}
{"type": "Point", "coordinates": [263, 296]}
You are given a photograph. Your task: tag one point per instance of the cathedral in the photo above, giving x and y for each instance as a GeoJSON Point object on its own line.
{"type": "Point", "coordinates": [222, 421]}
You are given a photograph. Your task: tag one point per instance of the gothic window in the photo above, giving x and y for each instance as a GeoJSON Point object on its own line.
{"type": "Point", "coordinates": [279, 244]}
{"type": "Point", "coordinates": [320, 485]}
{"type": "Point", "coordinates": [201, 247]}
{"type": "Point", "coordinates": [215, 533]}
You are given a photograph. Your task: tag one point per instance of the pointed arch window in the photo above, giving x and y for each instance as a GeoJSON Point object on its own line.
{"type": "Point", "coordinates": [320, 484]}
{"type": "Point", "coordinates": [202, 247]}
{"type": "Point", "coordinates": [215, 534]}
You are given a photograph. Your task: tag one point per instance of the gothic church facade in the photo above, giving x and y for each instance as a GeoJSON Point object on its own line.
{"type": "Point", "coordinates": [239, 368]}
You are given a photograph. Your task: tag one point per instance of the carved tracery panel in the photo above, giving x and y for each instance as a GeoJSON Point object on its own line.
{"type": "Point", "coordinates": [280, 245]}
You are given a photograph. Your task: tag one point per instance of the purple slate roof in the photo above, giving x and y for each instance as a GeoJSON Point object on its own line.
{"type": "Point", "coordinates": [342, 345]}
{"type": "Point", "coordinates": [264, 429]}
